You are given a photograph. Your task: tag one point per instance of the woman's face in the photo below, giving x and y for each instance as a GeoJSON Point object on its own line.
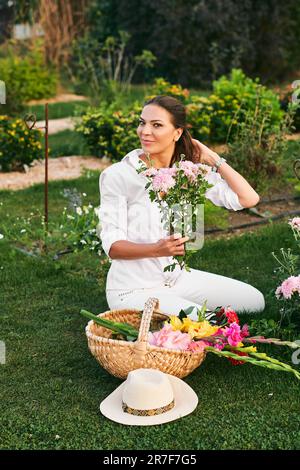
{"type": "Point", "coordinates": [155, 130]}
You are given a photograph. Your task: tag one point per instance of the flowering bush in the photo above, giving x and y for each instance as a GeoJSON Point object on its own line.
{"type": "Point", "coordinates": [235, 95]}
{"type": "Point", "coordinates": [163, 87]}
{"type": "Point", "coordinates": [109, 131]}
{"type": "Point", "coordinates": [288, 291]}
{"type": "Point", "coordinates": [18, 145]}
{"type": "Point", "coordinates": [177, 190]}
{"type": "Point", "coordinates": [224, 338]}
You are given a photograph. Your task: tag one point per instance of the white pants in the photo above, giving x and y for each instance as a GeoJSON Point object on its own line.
{"type": "Point", "coordinates": [192, 289]}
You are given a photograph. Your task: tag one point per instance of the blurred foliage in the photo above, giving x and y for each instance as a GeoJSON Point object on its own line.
{"type": "Point", "coordinates": [26, 77]}
{"type": "Point", "coordinates": [196, 44]}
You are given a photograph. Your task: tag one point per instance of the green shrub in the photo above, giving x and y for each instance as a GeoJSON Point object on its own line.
{"type": "Point", "coordinates": [233, 97]}
{"type": "Point", "coordinates": [215, 118]}
{"type": "Point", "coordinates": [110, 132]}
{"type": "Point", "coordinates": [199, 115]}
{"type": "Point", "coordinates": [26, 78]}
{"type": "Point", "coordinates": [18, 145]}
{"type": "Point", "coordinates": [256, 153]}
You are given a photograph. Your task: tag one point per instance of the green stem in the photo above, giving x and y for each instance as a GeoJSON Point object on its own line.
{"type": "Point", "coordinates": [120, 328]}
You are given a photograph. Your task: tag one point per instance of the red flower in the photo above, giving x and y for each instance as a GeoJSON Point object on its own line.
{"type": "Point", "coordinates": [220, 311]}
{"type": "Point", "coordinates": [234, 362]}
{"type": "Point", "coordinates": [232, 316]}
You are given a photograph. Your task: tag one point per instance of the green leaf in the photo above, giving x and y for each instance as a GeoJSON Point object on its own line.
{"type": "Point", "coordinates": [118, 328]}
{"type": "Point", "coordinates": [268, 362]}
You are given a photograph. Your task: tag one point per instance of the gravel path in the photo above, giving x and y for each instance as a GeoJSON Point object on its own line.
{"type": "Point", "coordinates": [58, 125]}
{"type": "Point", "coordinates": [63, 168]}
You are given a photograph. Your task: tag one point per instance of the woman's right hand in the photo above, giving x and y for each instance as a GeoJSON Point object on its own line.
{"type": "Point", "coordinates": [171, 246]}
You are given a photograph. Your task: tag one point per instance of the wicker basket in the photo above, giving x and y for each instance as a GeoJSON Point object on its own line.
{"type": "Point", "coordinates": [119, 357]}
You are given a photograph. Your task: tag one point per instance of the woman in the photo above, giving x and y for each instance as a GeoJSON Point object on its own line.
{"type": "Point", "coordinates": [131, 230]}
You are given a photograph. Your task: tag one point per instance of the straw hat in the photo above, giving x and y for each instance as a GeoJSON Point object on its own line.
{"type": "Point", "coordinates": [147, 397]}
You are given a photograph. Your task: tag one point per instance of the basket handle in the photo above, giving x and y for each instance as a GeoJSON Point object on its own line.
{"type": "Point", "coordinates": [151, 304]}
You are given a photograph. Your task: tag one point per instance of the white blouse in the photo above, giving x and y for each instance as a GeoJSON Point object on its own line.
{"type": "Point", "coordinates": [126, 213]}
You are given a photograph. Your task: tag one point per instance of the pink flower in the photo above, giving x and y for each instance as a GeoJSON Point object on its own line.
{"type": "Point", "coordinates": [190, 170]}
{"type": "Point", "coordinates": [233, 334]}
{"type": "Point", "coordinates": [295, 223]}
{"type": "Point", "coordinates": [245, 331]}
{"type": "Point", "coordinates": [219, 346]}
{"type": "Point", "coordinates": [288, 287]}
{"type": "Point", "coordinates": [197, 346]}
{"type": "Point", "coordinates": [170, 339]}
{"type": "Point", "coordinates": [163, 180]}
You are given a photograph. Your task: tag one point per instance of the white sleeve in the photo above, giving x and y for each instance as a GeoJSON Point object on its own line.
{"type": "Point", "coordinates": [221, 193]}
{"type": "Point", "coordinates": [113, 209]}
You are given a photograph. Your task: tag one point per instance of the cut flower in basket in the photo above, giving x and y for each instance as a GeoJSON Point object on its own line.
{"type": "Point", "coordinates": [224, 338]}
{"type": "Point", "coordinates": [178, 191]}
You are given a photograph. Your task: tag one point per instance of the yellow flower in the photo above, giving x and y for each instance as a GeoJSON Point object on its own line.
{"type": "Point", "coordinates": [202, 329]}
{"type": "Point", "coordinates": [175, 322]}
{"type": "Point", "coordinates": [188, 323]}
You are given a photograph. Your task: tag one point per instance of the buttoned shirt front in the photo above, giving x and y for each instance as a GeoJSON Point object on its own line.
{"type": "Point", "coordinates": [127, 213]}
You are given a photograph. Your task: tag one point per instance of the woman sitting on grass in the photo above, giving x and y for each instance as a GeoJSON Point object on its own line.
{"type": "Point", "coordinates": [131, 229]}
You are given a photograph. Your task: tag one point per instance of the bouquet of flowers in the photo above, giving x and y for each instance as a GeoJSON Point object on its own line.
{"type": "Point", "coordinates": [180, 194]}
{"type": "Point", "coordinates": [225, 337]}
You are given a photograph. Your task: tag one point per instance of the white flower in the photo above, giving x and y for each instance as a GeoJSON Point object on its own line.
{"type": "Point", "coordinates": [57, 436]}
{"type": "Point", "coordinates": [83, 242]}
{"type": "Point", "coordinates": [23, 230]}
{"type": "Point", "coordinates": [79, 210]}
{"type": "Point", "coordinates": [86, 209]}
{"type": "Point", "coordinates": [84, 194]}
{"type": "Point", "coordinates": [1, 236]}
{"type": "Point", "coordinates": [70, 217]}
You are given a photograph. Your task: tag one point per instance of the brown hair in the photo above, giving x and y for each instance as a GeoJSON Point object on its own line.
{"type": "Point", "coordinates": [178, 118]}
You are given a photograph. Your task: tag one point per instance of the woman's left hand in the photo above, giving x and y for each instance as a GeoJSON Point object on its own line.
{"type": "Point", "coordinates": [208, 156]}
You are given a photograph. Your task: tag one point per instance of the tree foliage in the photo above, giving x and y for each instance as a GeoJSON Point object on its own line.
{"type": "Point", "coordinates": [199, 40]}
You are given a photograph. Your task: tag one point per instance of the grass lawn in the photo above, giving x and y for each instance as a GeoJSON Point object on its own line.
{"type": "Point", "coordinates": [66, 143]}
{"type": "Point", "coordinates": [58, 110]}
{"type": "Point", "coordinates": [51, 386]}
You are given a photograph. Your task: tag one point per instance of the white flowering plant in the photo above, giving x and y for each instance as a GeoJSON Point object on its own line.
{"type": "Point", "coordinates": [79, 228]}
{"type": "Point", "coordinates": [75, 229]}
